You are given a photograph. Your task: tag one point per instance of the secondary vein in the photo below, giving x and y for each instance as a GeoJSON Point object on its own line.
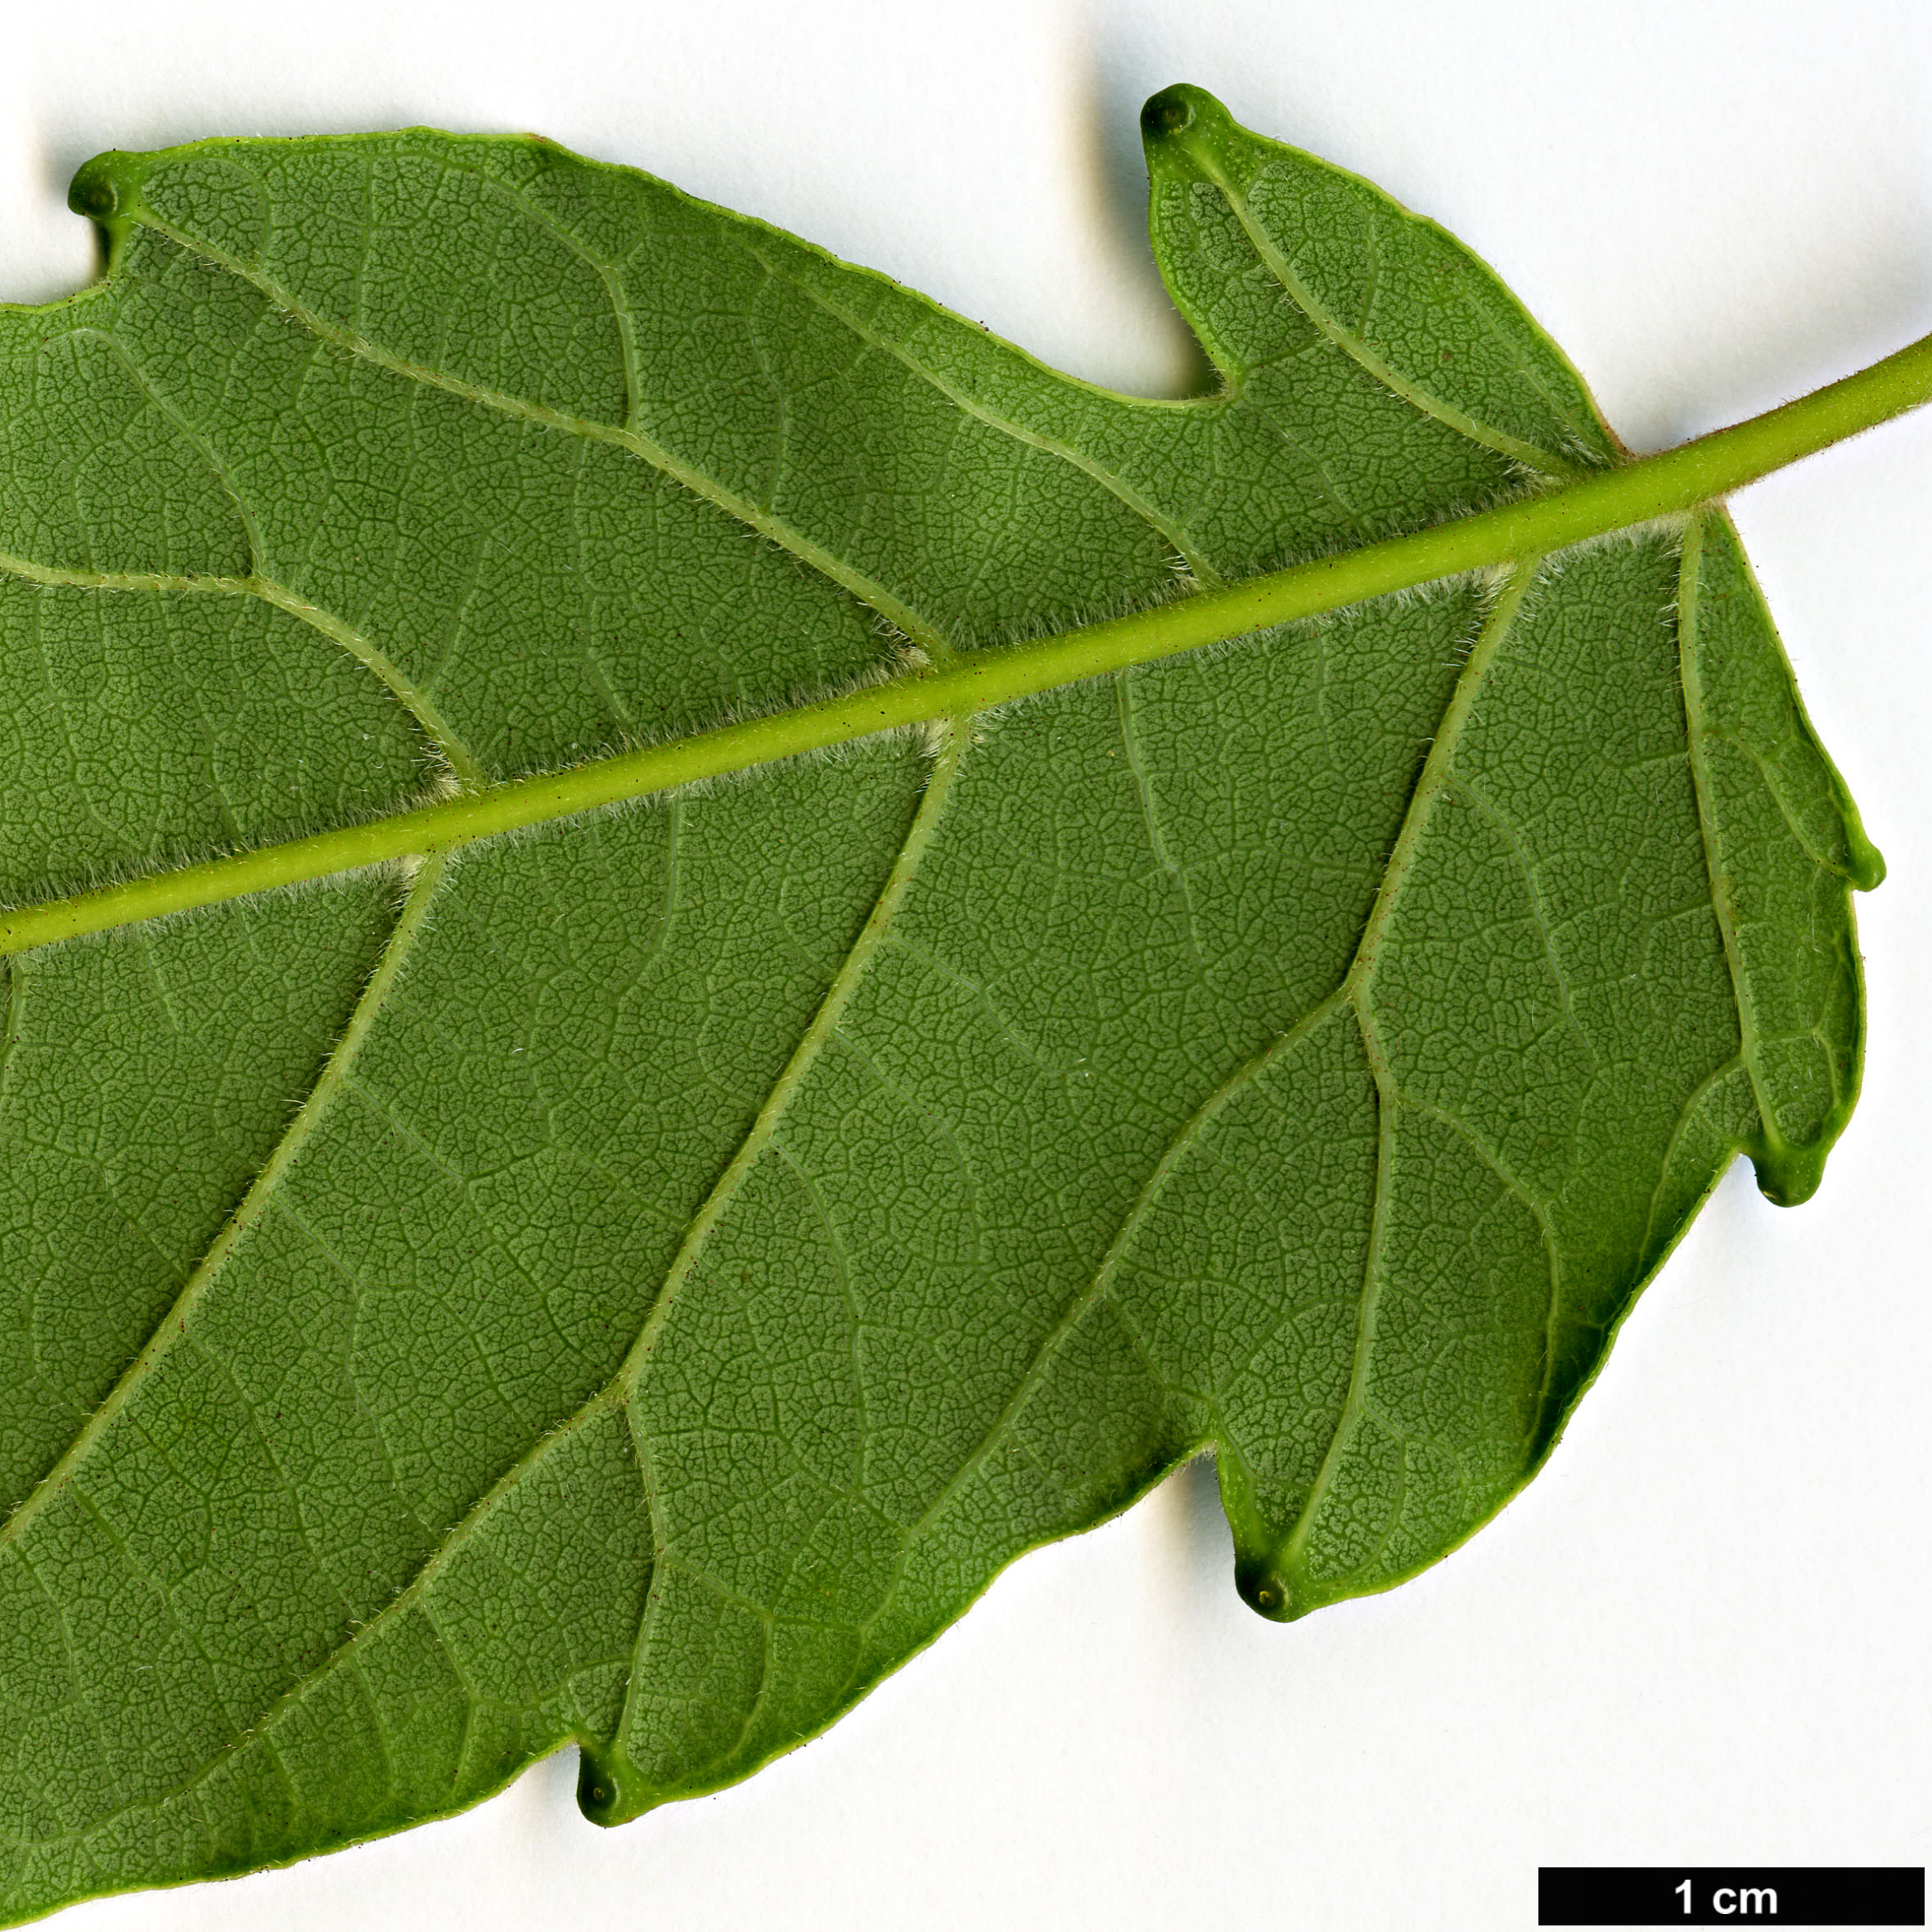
{"type": "Point", "coordinates": [1169, 528]}
{"type": "Point", "coordinates": [173, 1324]}
{"type": "Point", "coordinates": [462, 762]}
{"type": "Point", "coordinates": [824, 1025]}
{"type": "Point", "coordinates": [1437, 775]}
{"type": "Point", "coordinates": [876, 597]}
{"type": "Point", "coordinates": [1696, 729]}
{"type": "Point", "coordinates": [1185, 1138]}
{"type": "Point", "coordinates": [1357, 347]}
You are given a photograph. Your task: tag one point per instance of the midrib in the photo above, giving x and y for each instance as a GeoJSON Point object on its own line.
{"type": "Point", "coordinates": [1646, 490]}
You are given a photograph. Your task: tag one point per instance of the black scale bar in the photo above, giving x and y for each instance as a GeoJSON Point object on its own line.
{"type": "Point", "coordinates": [1730, 1895]}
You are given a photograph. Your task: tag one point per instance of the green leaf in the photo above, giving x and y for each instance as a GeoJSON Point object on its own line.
{"type": "Point", "coordinates": [634, 1278]}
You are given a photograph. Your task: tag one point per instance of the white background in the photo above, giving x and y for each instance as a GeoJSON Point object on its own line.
{"type": "Point", "coordinates": [1700, 1636]}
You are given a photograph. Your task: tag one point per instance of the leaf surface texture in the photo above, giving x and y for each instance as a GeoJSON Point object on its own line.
{"type": "Point", "coordinates": [636, 1281]}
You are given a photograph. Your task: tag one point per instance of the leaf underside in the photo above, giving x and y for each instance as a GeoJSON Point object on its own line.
{"type": "Point", "coordinates": [636, 1282]}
